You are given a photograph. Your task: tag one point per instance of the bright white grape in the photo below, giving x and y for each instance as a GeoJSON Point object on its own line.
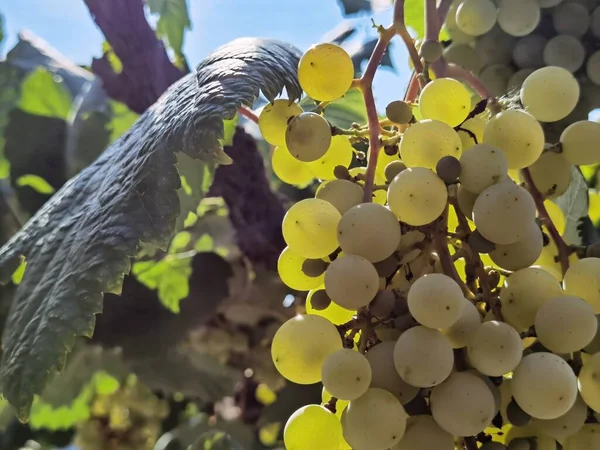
{"type": "Point", "coordinates": [550, 93]}
{"type": "Point", "coordinates": [435, 300]}
{"type": "Point", "coordinates": [495, 349]}
{"type": "Point", "coordinates": [551, 174]}
{"type": "Point", "coordinates": [423, 357]}
{"type": "Point", "coordinates": [463, 405]}
{"type": "Point", "coordinates": [460, 332]}
{"type": "Point", "coordinates": [544, 385]}
{"type": "Point", "coordinates": [351, 281]}
{"type": "Point", "coordinates": [482, 165]}
{"type": "Point", "coordinates": [289, 268]}
{"type": "Point", "coordinates": [369, 230]}
{"type": "Point", "coordinates": [518, 134]}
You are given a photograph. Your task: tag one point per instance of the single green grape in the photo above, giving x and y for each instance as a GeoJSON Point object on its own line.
{"type": "Point", "coordinates": [325, 72]}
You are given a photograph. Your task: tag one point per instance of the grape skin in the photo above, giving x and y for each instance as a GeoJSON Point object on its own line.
{"type": "Point", "coordinates": [339, 153]}
{"type": "Point", "coordinates": [582, 279]}
{"type": "Point", "coordinates": [424, 143]}
{"type": "Point", "coordinates": [460, 332]}
{"type": "Point", "coordinates": [384, 374]}
{"type": "Point", "coordinates": [564, 51]}
{"type": "Point", "coordinates": [346, 374]}
{"type": "Point", "coordinates": [565, 324]}
{"type": "Point", "coordinates": [301, 345]}
{"type": "Point", "coordinates": [482, 166]}
{"type": "Point", "coordinates": [435, 300]}
{"type": "Point", "coordinates": [503, 212]}
{"type": "Point", "coordinates": [588, 382]}
{"type": "Point", "coordinates": [528, 52]}
{"type": "Point", "coordinates": [274, 118]}
{"type": "Point", "coordinates": [333, 313]}
{"type": "Point", "coordinates": [351, 281]}
{"type": "Point", "coordinates": [579, 142]}
{"type": "Point", "coordinates": [518, 134]}
{"type": "Point", "coordinates": [566, 425]}
{"type": "Point", "coordinates": [525, 292]}
{"type": "Point", "coordinates": [544, 385]}
{"type": "Point", "coordinates": [375, 421]}
{"type": "Point", "coordinates": [289, 169]}
{"type": "Point", "coordinates": [522, 253]}
{"type": "Point", "coordinates": [495, 349]}
{"type": "Point", "coordinates": [463, 405]}
{"type": "Point", "coordinates": [342, 194]}
{"type": "Point", "coordinates": [551, 174]}
{"type": "Point", "coordinates": [476, 17]}
{"type": "Point", "coordinates": [518, 17]}
{"type": "Point", "coordinates": [289, 268]}
{"type": "Point", "coordinates": [476, 126]}
{"type": "Point", "coordinates": [308, 137]}
{"type": "Point", "coordinates": [325, 72]}
{"type": "Point", "coordinates": [310, 228]}
{"type": "Point", "coordinates": [587, 438]}
{"type": "Point", "coordinates": [423, 433]}
{"type": "Point", "coordinates": [423, 357]}
{"type": "Point", "coordinates": [417, 196]}
{"type": "Point", "coordinates": [369, 230]}
{"type": "Point", "coordinates": [550, 94]}
{"type": "Point", "coordinates": [312, 426]}
{"type": "Point", "coordinates": [446, 100]}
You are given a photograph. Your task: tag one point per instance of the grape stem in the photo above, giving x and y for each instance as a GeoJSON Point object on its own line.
{"type": "Point", "coordinates": [412, 90]}
{"type": "Point", "coordinates": [400, 27]}
{"type": "Point", "coordinates": [454, 71]}
{"type": "Point", "coordinates": [563, 249]}
{"type": "Point", "coordinates": [248, 113]}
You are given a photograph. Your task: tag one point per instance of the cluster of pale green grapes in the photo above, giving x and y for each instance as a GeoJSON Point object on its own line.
{"type": "Point", "coordinates": [440, 303]}
{"type": "Point", "coordinates": [504, 41]}
{"type": "Point", "coordinates": [128, 419]}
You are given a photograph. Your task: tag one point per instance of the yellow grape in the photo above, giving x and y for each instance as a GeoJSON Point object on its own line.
{"type": "Point", "coordinates": [346, 374]}
{"type": "Point", "coordinates": [551, 174]}
{"type": "Point", "coordinates": [301, 345]}
{"type": "Point", "coordinates": [587, 438]}
{"type": "Point", "coordinates": [289, 169]}
{"type": "Point", "coordinates": [550, 93]}
{"type": "Point", "coordinates": [308, 136]}
{"type": "Point", "coordinates": [578, 142]}
{"type": "Point", "coordinates": [495, 349]}
{"type": "Point", "coordinates": [566, 425]}
{"type": "Point", "coordinates": [518, 135]}
{"type": "Point", "coordinates": [343, 194]}
{"type": "Point", "coordinates": [550, 262]}
{"type": "Point", "coordinates": [339, 154]}
{"type": "Point", "coordinates": [476, 17]}
{"type": "Point", "coordinates": [383, 159]}
{"type": "Point", "coordinates": [311, 427]}
{"type": "Point", "coordinates": [481, 166]}
{"type": "Point", "coordinates": [446, 100]}
{"type": "Point", "coordinates": [588, 382]}
{"type": "Point", "coordinates": [424, 143]}
{"type": "Point", "coordinates": [310, 228]}
{"type": "Point", "coordinates": [466, 201]}
{"type": "Point", "coordinates": [417, 196]}
{"type": "Point", "coordinates": [325, 72]}
{"type": "Point", "coordinates": [334, 313]}
{"type": "Point", "coordinates": [351, 281]}
{"type": "Point", "coordinates": [369, 230]}
{"type": "Point", "coordinates": [476, 126]}
{"type": "Point", "coordinates": [274, 119]}
{"type": "Point", "coordinates": [525, 291]}
{"type": "Point", "coordinates": [556, 215]}
{"type": "Point", "coordinates": [340, 405]}
{"type": "Point", "coordinates": [583, 280]}
{"type": "Point", "coordinates": [289, 267]}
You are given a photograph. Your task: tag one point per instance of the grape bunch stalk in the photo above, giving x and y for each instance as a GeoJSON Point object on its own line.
{"type": "Point", "coordinates": [443, 301]}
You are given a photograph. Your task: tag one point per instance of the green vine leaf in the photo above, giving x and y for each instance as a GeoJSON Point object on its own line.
{"type": "Point", "coordinates": [172, 23]}
{"type": "Point", "coordinates": [79, 245]}
{"type": "Point", "coordinates": [43, 94]}
{"type": "Point", "coordinates": [36, 183]}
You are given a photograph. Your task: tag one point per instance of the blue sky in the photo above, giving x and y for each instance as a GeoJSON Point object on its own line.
{"type": "Point", "coordinates": [66, 24]}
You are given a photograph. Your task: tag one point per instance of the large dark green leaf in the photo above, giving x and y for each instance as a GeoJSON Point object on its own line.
{"type": "Point", "coordinates": [172, 23]}
{"type": "Point", "coordinates": [79, 245]}
{"type": "Point", "coordinates": [574, 203]}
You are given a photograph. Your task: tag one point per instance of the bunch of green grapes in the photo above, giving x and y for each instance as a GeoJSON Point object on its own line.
{"type": "Point", "coordinates": [448, 297]}
{"type": "Point", "coordinates": [128, 419]}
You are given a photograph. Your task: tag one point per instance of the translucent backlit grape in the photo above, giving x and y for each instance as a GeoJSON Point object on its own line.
{"type": "Point", "coordinates": [289, 268]}
{"type": "Point", "coordinates": [424, 143]}
{"type": "Point", "coordinates": [339, 153]}
{"type": "Point", "coordinates": [582, 279]}
{"type": "Point", "coordinates": [334, 313]}
{"type": "Point", "coordinates": [325, 72]}
{"type": "Point", "coordinates": [311, 427]}
{"type": "Point", "coordinates": [274, 119]}
{"type": "Point", "coordinates": [289, 169]}
{"type": "Point", "coordinates": [446, 100]}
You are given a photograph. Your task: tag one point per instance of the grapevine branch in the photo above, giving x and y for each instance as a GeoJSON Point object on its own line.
{"type": "Point", "coordinates": [563, 249]}
{"type": "Point", "coordinates": [248, 114]}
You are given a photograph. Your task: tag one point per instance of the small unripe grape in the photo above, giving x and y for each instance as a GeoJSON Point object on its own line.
{"type": "Point", "coordinates": [448, 169]}
{"type": "Point", "coordinates": [399, 112]}
{"type": "Point", "coordinates": [393, 169]}
{"type": "Point", "coordinates": [341, 173]}
{"type": "Point", "coordinates": [431, 51]}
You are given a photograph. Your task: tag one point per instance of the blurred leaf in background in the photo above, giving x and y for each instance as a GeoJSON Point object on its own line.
{"type": "Point", "coordinates": [172, 23]}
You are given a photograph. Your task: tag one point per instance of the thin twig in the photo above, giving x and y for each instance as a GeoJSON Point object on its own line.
{"type": "Point", "coordinates": [442, 10]}
{"type": "Point", "coordinates": [563, 249]}
{"type": "Point", "coordinates": [412, 90]}
{"type": "Point", "coordinates": [248, 113]}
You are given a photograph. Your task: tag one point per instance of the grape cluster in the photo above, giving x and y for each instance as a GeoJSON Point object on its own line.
{"type": "Point", "coordinates": [447, 298]}
{"type": "Point", "coordinates": [504, 41]}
